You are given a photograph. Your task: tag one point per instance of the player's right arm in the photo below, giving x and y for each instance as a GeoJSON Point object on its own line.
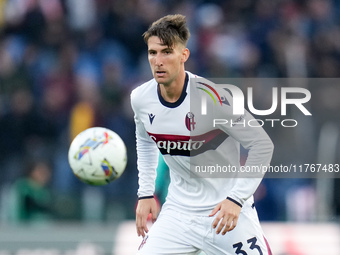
{"type": "Point", "coordinates": [145, 206]}
{"type": "Point", "coordinates": [147, 161]}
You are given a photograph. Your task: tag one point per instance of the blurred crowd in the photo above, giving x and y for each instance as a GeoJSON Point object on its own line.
{"type": "Point", "coordinates": [66, 65]}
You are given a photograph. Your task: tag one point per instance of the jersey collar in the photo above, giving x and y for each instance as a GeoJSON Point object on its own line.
{"type": "Point", "coordinates": [180, 99]}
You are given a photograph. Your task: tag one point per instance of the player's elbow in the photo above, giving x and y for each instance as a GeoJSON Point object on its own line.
{"type": "Point", "coordinates": [269, 145]}
{"type": "Point", "coordinates": [265, 145]}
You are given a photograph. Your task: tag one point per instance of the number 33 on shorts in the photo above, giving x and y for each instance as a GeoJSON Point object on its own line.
{"type": "Point", "coordinates": [252, 246]}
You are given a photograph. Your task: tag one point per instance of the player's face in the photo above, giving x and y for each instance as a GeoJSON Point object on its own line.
{"type": "Point", "coordinates": [166, 63]}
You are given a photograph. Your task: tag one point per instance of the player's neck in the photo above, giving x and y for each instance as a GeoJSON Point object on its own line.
{"type": "Point", "coordinates": [172, 92]}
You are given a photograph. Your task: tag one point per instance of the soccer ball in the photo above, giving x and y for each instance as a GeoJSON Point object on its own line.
{"type": "Point", "coordinates": [97, 156]}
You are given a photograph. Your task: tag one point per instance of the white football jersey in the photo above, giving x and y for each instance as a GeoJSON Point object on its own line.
{"type": "Point", "coordinates": [185, 138]}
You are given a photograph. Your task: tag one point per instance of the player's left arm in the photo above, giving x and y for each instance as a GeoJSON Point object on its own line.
{"type": "Point", "coordinates": [228, 213]}
{"type": "Point", "coordinates": [260, 147]}
{"type": "Point", "coordinates": [260, 150]}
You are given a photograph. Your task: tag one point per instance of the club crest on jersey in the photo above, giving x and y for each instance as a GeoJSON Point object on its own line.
{"type": "Point", "coordinates": [190, 121]}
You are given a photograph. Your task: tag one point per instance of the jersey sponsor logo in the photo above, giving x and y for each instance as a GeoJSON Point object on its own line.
{"type": "Point", "coordinates": [182, 145]}
{"type": "Point", "coordinates": [190, 121]}
{"type": "Point", "coordinates": [151, 117]}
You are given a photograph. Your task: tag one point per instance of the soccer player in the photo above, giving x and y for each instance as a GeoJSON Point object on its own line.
{"type": "Point", "coordinates": [213, 215]}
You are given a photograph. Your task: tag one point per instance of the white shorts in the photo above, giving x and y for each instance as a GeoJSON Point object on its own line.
{"type": "Point", "coordinates": [178, 233]}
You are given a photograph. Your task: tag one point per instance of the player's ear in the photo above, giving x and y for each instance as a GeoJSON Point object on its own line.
{"type": "Point", "coordinates": [185, 55]}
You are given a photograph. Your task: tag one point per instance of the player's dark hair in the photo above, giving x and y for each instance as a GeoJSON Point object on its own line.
{"type": "Point", "coordinates": [170, 30]}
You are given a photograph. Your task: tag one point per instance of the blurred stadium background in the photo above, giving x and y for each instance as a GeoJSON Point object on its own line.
{"type": "Point", "coordinates": [66, 65]}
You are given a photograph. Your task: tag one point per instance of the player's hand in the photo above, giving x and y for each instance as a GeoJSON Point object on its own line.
{"type": "Point", "coordinates": [144, 208]}
{"type": "Point", "coordinates": [226, 219]}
